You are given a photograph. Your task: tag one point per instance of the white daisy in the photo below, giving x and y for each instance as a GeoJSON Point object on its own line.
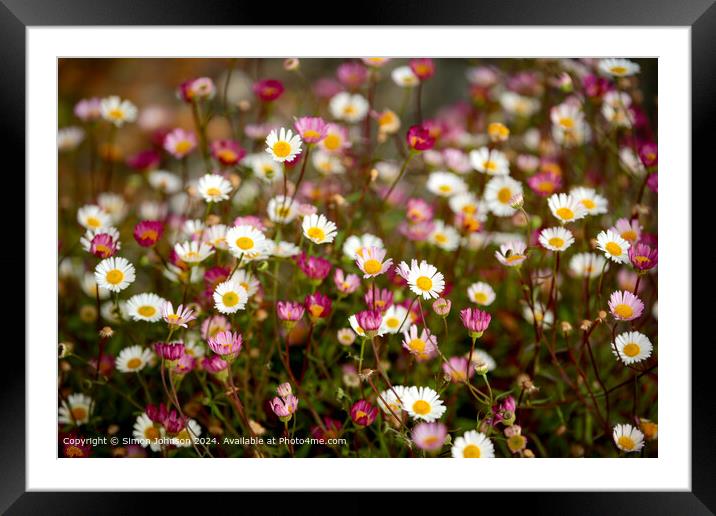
{"type": "Point", "coordinates": [88, 282]}
{"type": "Point", "coordinates": [404, 77]}
{"type": "Point", "coordinates": [594, 203]}
{"type": "Point", "coordinates": [348, 107]}
{"type": "Point", "coordinates": [282, 210]}
{"type": "Point", "coordinates": [423, 403]}
{"type": "Point", "coordinates": [615, 109]}
{"type": "Point", "coordinates": [164, 181]}
{"type": "Point", "coordinates": [444, 236]}
{"type": "Point", "coordinates": [586, 265]}
{"type": "Point", "coordinates": [114, 274]}
{"type": "Point", "coordinates": [145, 307]}
{"type": "Point", "coordinates": [481, 293]}
{"type": "Point", "coordinates": [117, 111]}
{"type": "Point", "coordinates": [75, 410]}
{"type": "Point", "coordinates": [91, 216]}
{"type": "Point", "coordinates": [193, 252]}
{"type": "Point", "coordinates": [498, 193]}
{"type": "Point", "coordinates": [395, 319]}
{"type": "Point", "coordinates": [114, 205]}
{"type": "Point", "coordinates": [246, 280]}
{"type": "Point", "coordinates": [490, 162]}
{"type": "Point", "coordinates": [468, 204]}
{"type": "Point", "coordinates": [423, 279]}
{"type": "Point", "coordinates": [519, 105]}
{"type": "Point", "coordinates": [354, 245]}
{"type": "Point", "coordinates": [186, 435]}
{"type": "Point", "coordinates": [628, 438]}
{"type": "Point", "coordinates": [446, 184]}
{"type": "Point", "coordinates": [617, 67]}
{"type": "Point", "coordinates": [147, 433]}
{"type": "Point", "coordinates": [246, 241]}
{"type": "Point", "coordinates": [556, 239]}
{"type": "Point", "coordinates": [566, 208]}
{"type": "Point", "coordinates": [285, 249]}
{"type": "Point", "coordinates": [631, 162]}
{"type": "Point", "coordinates": [327, 163]}
{"type": "Point", "coordinates": [132, 359]}
{"type": "Point", "coordinates": [283, 145]}
{"type": "Point", "coordinates": [214, 188]}
{"type": "Point", "coordinates": [265, 168]}
{"type": "Point", "coordinates": [230, 297]}
{"type": "Point", "coordinates": [318, 229]}
{"type": "Point", "coordinates": [631, 347]}
{"type": "Point", "coordinates": [193, 228]}
{"type": "Point", "coordinates": [69, 138]}
{"type": "Point", "coordinates": [512, 254]}
{"type": "Point", "coordinates": [215, 236]}
{"type": "Point", "coordinates": [391, 400]}
{"type": "Point", "coordinates": [473, 445]}
{"type": "Point", "coordinates": [614, 247]}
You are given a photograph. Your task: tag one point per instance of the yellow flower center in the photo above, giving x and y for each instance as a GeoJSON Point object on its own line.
{"type": "Point", "coordinates": [146, 311]}
{"type": "Point", "coordinates": [471, 451]}
{"type": "Point", "coordinates": [182, 147]}
{"type": "Point", "coordinates": [149, 234]}
{"type": "Point", "coordinates": [556, 242]}
{"type": "Point", "coordinates": [244, 243]}
{"type": "Point", "coordinates": [230, 299]}
{"type": "Point", "coordinates": [213, 192]}
{"type": "Point", "coordinates": [311, 134]}
{"type": "Point", "coordinates": [116, 114]}
{"type": "Point", "coordinates": [626, 442]}
{"type": "Point", "coordinates": [430, 440]}
{"type": "Point", "coordinates": [115, 276]}
{"type": "Point", "coordinates": [564, 213]}
{"type": "Point", "coordinates": [360, 414]}
{"type": "Point", "coordinates": [281, 149]}
{"type": "Point", "coordinates": [480, 297]}
{"type": "Point", "coordinates": [103, 250]}
{"type": "Point", "coordinates": [618, 70]}
{"type": "Point", "coordinates": [332, 142]}
{"type": "Point", "coordinates": [589, 204]}
{"type": "Point", "coordinates": [490, 165]}
{"type": "Point", "coordinates": [372, 266]}
{"type": "Point", "coordinates": [226, 155]}
{"type": "Point", "coordinates": [614, 249]}
{"type": "Point", "coordinates": [424, 283]}
{"type": "Point", "coordinates": [393, 322]}
{"type": "Point", "coordinates": [349, 109]}
{"type": "Point", "coordinates": [151, 433]}
{"type": "Point", "coordinates": [79, 413]}
{"type": "Point", "coordinates": [624, 311]}
{"type": "Point", "coordinates": [629, 235]}
{"type": "Point", "coordinates": [316, 310]}
{"type": "Point", "coordinates": [632, 349]}
{"type": "Point", "coordinates": [417, 345]}
{"type": "Point", "coordinates": [94, 222]}
{"type": "Point", "coordinates": [445, 188]}
{"type": "Point", "coordinates": [316, 233]}
{"type": "Point", "coordinates": [134, 363]}
{"type": "Point", "coordinates": [440, 238]}
{"type": "Point", "coordinates": [504, 195]}
{"type": "Point", "coordinates": [514, 257]}
{"type": "Point", "coordinates": [566, 122]}
{"type": "Point", "coordinates": [421, 407]}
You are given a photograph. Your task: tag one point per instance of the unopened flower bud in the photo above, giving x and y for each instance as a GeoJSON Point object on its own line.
{"type": "Point", "coordinates": [106, 332]}
{"type": "Point", "coordinates": [586, 324]}
{"type": "Point", "coordinates": [566, 327]}
{"type": "Point", "coordinates": [602, 315]}
{"type": "Point", "coordinates": [291, 64]}
{"type": "Point", "coordinates": [441, 306]}
{"type": "Point", "coordinates": [244, 105]}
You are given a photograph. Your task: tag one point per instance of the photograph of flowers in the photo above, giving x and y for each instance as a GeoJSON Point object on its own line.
{"type": "Point", "coordinates": [349, 258]}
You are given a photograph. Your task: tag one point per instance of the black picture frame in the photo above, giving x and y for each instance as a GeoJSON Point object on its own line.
{"type": "Point", "coordinates": [700, 15]}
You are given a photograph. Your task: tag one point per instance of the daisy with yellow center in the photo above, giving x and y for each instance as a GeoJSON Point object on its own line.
{"type": "Point", "coordinates": [625, 306]}
{"type": "Point", "coordinates": [245, 241]}
{"type": "Point", "coordinates": [75, 410]}
{"type": "Point", "coordinates": [443, 236]}
{"type": "Point", "coordinates": [498, 132]}
{"type": "Point", "coordinates": [193, 252]}
{"type": "Point", "coordinates": [371, 261]}
{"type": "Point", "coordinates": [499, 193]}
{"type": "Point", "coordinates": [618, 67]}
{"type": "Point", "coordinates": [336, 139]}
{"type": "Point", "coordinates": [422, 403]}
{"type": "Point", "coordinates": [594, 203]}
{"type": "Point", "coordinates": [246, 280]}
{"type": "Point", "coordinates": [349, 107]}
{"type": "Point", "coordinates": [445, 184]}
{"type": "Point", "coordinates": [421, 344]}
{"type": "Point", "coordinates": [230, 297]}
{"type": "Point", "coordinates": [92, 217]}
{"type": "Point", "coordinates": [327, 163]}
{"type": "Point", "coordinates": [264, 167]}
{"type": "Point", "coordinates": [282, 210]}
{"type": "Point", "coordinates": [184, 438]}
{"type": "Point", "coordinates": [587, 265]}
{"type": "Point", "coordinates": [404, 77]}
{"type": "Point", "coordinates": [473, 445]}
{"type": "Point", "coordinates": [614, 247]}
{"type": "Point", "coordinates": [628, 229]}
{"type": "Point", "coordinates": [388, 122]}
{"type": "Point", "coordinates": [423, 278]}
{"type": "Point", "coordinates": [117, 111]}
{"type": "Point", "coordinates": [395, 319]}
{"type": "Point", "coordinates": [354, 246]}
{"type": "Point", "coordinates": [114, 274]}
{"type": "Point", "coordinates": [214, 188]}
{"type": "Point", "coordinates": [490, 161]}
{"type": "Point", "coordinates": [512, 254]}
{"type": "Point", "coordinates": [318, 229]}
{"type": "Point", "coordinates": [215, 236]}
{"type": "Point", "coordinates": [147, 433]}
{"type": "Point", "coordinates": [145, 307]}
{"type": "Point", "coordinates": [628, 438]}
{"type": "Point", "coordinates": [283, 145]}
{"type": "Point", "coordinates": [556, 239]}
{"type": "Point", "coordinates": [566, 208]}
{"type": "Point", "coordinates": [481, 293]}
{"type": "Point", "coordinates": [632, 347]}
{"type": "Point", "coordinates": [132, 359]}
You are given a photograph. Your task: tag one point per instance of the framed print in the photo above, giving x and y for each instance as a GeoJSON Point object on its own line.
{"type": "Point", "coordinates": [258, 260]}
